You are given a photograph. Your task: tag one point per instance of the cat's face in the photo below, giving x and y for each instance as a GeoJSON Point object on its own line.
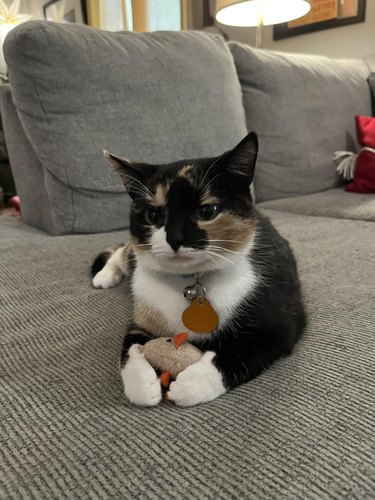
{"type": "Point", "coordinates": [191, 216]}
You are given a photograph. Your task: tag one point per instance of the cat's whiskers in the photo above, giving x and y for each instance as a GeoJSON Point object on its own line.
{"type": "Point", "coordinates": [141, 248]}
{"type": "Point", "coordinates": [144, 189]}
{"type": "Point", "coordinates": [222, 249]}
{"type": "Point", "coordinates": [209, 170]}
{"type": "Point", "coordinates": [132, 259]}
{"type": "Point", "coordinates": [206, 187]}
{"type": "Point", "coordinates": [141, 193]}
{"type": "Point", "coordinates": [215, 254]}
{"type": "Point", "coordinates": [227, 241]}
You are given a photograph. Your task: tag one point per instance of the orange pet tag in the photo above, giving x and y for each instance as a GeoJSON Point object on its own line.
{"type": "Point", "coordinates": [200, 317]}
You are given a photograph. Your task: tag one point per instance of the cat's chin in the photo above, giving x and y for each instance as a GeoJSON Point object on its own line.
{"type": "Point", "coordinates": [178, 265]}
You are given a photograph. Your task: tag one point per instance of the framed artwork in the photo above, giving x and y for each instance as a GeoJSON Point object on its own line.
{"type": "Point", "coordinates": [324, 14]}
{"type": "Point", "coordinates": [66, 11]}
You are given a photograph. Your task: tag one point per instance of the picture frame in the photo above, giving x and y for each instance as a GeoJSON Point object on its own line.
{"type": "Point", "coordinates": [324, 14]}
{"type": "Point", "coordinates": [68, 11]}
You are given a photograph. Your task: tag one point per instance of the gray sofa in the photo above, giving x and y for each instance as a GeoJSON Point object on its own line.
{"type": "Point", "coordinates": [303, 429]}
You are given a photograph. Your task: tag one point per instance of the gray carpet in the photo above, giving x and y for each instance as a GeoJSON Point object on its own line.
{"type": "Point", "coordinates": [304, 429]}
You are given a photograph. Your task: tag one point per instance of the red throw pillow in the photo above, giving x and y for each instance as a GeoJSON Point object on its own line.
{"type": "Point", "coordinates": [365, 130]}
{"type": "Point", "coordinates": [364, 174]}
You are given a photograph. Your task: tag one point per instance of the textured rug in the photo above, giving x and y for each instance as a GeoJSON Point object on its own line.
{"type": "Point", "coordinates": [304, 429]}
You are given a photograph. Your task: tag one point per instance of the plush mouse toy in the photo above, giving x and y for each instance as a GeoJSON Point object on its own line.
{"type": "Point", "coordinates": [170, 355]}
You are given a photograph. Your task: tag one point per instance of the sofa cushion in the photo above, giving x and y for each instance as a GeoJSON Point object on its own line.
{"type": "Point", "coordinates": [152, 97]}
{"type": "Point", "coordinates": [302, 108]}
{"type": "Point", "coordinates": [331, 203]}
{"type": "Point", "coordinates": [303, 429]}
{"type": "Point", "coordinates": [29, 175]}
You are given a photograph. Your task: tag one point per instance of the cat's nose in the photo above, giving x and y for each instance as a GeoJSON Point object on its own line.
{"type": "Point", "coordinates": [175, 240]}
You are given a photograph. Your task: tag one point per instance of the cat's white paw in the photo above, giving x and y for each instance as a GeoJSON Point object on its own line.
{"type": "Point", "coordinates": [141, 384]}
{"type": "Point", "coordinates": [107, 278]}
{"type": "Point", "coordinates": [198, 383]}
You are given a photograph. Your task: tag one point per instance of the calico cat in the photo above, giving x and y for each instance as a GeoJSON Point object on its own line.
{"type": "Point", "coordinates": [193, 220]}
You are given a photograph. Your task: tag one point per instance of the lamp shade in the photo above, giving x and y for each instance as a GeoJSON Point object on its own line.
{"type": "Point", "coordinates": [4, 30]}
{"type": "Point", "coordinates": [9, 19]}
{"type": "Point", "coordinates": [249, 12]}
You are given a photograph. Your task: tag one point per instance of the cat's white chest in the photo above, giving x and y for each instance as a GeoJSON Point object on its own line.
{"type": "Point", "coordinates": [164, 293]}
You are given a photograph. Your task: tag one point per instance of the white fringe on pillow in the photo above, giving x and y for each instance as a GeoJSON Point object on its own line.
{"type": "Point", "coordinates": [345, 161]}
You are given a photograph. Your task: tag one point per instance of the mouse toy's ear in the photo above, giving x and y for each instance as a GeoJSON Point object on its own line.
{"type": "Point", "coordinates": [179, 339]}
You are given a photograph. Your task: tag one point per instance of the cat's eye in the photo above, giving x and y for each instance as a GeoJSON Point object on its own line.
{"type": "Point", "coordinates": [208, 212]}
{"type": "Point", "coordinates": [153, 215]}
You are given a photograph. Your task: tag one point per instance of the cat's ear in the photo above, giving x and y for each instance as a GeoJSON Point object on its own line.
{"type": "Point", "coordinates": [130, 173]}
{"type": "Point", "coordinates": [241, 160]}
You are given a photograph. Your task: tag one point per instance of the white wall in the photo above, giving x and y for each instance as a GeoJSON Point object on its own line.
{"type": "Point", "coordinates": [357, 40]}
{"type": "Point", "coordinates": [34, 7]}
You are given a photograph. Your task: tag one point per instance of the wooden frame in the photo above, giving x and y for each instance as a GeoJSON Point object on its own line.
{"type": "Point", "coordinates": [335, 17]}
{"type": "Point", "coordinates": [76, 10]}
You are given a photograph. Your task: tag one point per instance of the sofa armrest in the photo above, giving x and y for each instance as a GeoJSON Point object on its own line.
{"type": "Point", "coordinates": [27, 171]}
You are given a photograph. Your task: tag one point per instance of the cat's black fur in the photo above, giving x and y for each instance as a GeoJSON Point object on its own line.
{"type": "Point", "coordinates": [270, 319]}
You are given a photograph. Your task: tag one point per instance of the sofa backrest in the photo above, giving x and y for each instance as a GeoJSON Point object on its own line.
{"type": "Point", "coordinates": [302, 108]}
{"type": "Point", "coordinates": [159, 97]}
{"type": "Point", "coordinates": [152, 97]}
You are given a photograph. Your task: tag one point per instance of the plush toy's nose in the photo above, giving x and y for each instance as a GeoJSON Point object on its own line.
{"type": "Point", "coordinates": [179, 339]}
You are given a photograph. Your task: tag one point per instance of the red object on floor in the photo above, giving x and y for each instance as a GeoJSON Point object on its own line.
{"type": "Point", "coordinates": [364, 174]}
{"type": "Point", "coordinates": [15, 202]}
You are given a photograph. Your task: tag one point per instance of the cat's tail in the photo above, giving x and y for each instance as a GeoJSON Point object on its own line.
{"type": "Point", "coordinates": [109, 267]}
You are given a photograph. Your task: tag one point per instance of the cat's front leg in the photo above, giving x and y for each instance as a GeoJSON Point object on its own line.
{"type": "Point", "coordinates": [198, 383]}
{"type": "Point", "coordinates": [141, 383]}
{"type": "Point", "coordinates": [109, 268]}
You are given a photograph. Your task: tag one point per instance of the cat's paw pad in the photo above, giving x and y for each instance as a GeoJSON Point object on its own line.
{"type": "Point", "coordinates": [141, 384]}
{"type": "Point", "coordinates": [198, 383]}
{"type": "Point", "coordinates": [107, 278]}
